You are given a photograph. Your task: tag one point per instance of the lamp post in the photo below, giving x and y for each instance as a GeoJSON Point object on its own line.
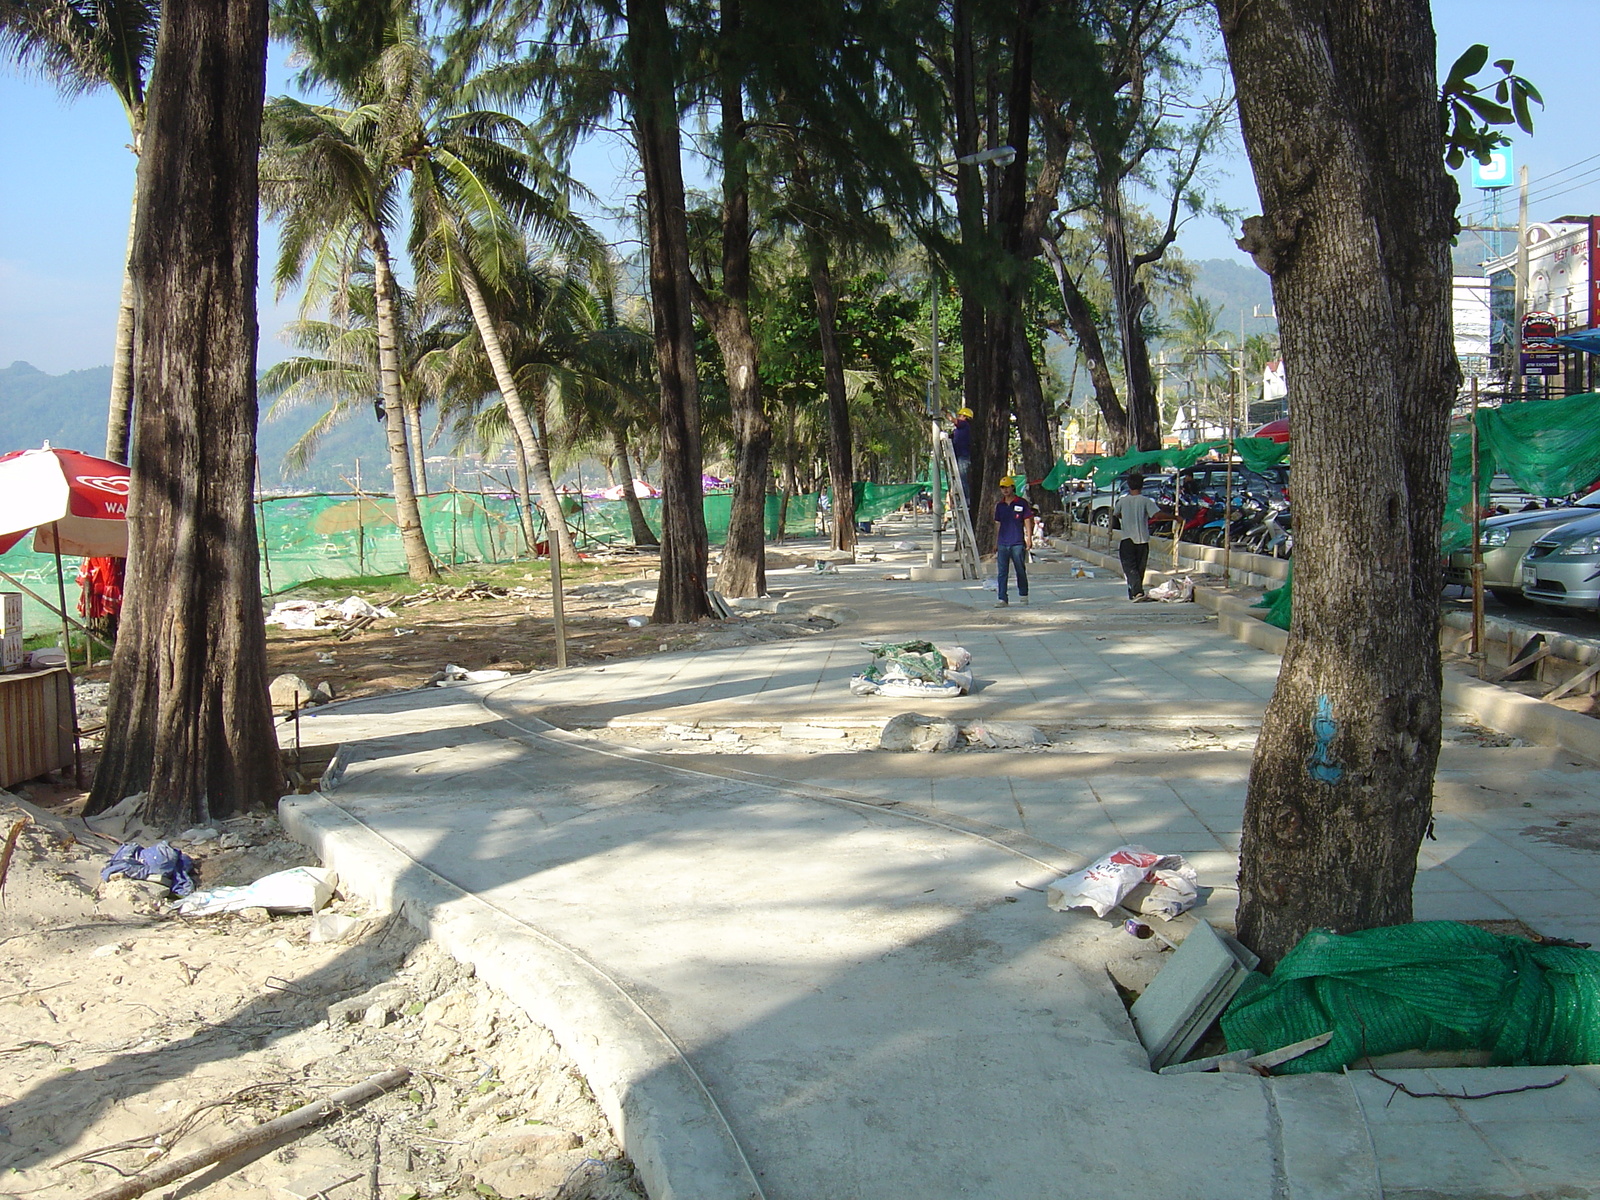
{"type": "Point", "coordinates": [993, 156]}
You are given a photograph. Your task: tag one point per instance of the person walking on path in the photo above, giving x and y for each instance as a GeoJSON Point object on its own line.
{"type": "Point", "coordinates": [1131, 514]}
{"type": "Point", "coordinates": [1015, 517]}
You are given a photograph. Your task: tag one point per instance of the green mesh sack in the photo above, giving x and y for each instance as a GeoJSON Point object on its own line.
{"type": "Point", "coordinates": [908, 660]}
{"type": "Point", "coordinates": [1434, 985]}
{"type": "Point", "coordinates": [1279, 602]}
{"type": "Point", "coordinates": [1458, 501]}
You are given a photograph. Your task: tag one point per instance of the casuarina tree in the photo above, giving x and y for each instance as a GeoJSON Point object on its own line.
{"type": "Point", "coordinates": [1340, 108]}
{"type": "Point", "coordinates": [188, 717]}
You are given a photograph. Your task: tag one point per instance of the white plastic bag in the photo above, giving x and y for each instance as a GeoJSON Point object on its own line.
{"type": "Point", "coordinates": [299, 889]}
{"type": "Point", "coordinates": [1102, 885]}
{"type": "Point", "coordinates": [1177, 591]}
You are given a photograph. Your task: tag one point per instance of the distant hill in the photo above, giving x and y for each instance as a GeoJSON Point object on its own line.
{"type": "Point", "coordinates": [70, 411]}
{"type": "Point", "coordinates": [67, 410]}
{"type": "Point", "coordinates": [1237, 288]}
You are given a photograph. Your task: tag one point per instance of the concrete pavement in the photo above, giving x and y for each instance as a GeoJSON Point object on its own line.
{"type": "Point", "coordinates": [807, 974]}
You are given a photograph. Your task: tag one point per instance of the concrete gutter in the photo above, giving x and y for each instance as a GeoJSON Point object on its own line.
{"type": "Point", "coordinates": [1499, 708]}
{"type": "Point", "coordinates": [661, 1110]}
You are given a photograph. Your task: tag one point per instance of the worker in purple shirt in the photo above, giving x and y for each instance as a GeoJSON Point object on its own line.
{"type": "Point", "coordinates": [1015, 517]}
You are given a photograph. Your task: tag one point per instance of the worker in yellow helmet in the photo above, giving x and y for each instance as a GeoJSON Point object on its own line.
{"type": "Point", "coordinates": [1015, 517]}
{"type": "Point", "coordinates": [961, 447]}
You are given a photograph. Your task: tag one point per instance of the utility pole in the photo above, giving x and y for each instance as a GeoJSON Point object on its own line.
{"type": "Point", "coordinates": [1522, 281]}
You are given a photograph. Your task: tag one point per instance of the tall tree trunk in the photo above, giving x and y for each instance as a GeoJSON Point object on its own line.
{"type": "Point", "coordinates": [1033, 430]}
{"type": "Point", "coordinates": [1129, 301]}
{"type": "Point", "coordinates": [643, 535]}
{"type": "Point", "coordinates": [841, 468]}
{"type": "Point", "coordinates": [189, 721]}
{"type": "Point", "coordinates": [1081, 319]}
{"type": "Point", "coordinates": [413, 539]}
{"type": "Point", "coordinates": [119, 419]}
{"type": "Point", "coordinates": [1338, 108]}
{"type": "Point", "coordinates": [976, 349]}
{"type": "Point", "coordinates": [534, 455]}
{"type": "Point", "coordinates": [419, 452]}
{"type": "Point", "coordinates": [681, 595]}
{"type": "Point", "coordinates": [744, 564]}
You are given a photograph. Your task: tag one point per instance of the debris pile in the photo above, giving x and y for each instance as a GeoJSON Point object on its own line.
{"type": "Point", "coordinates": [471, 590]}
{"type": "Point", "coordinates": [914, 669]}
{"type": "Point", "coordinates": [352, 612]}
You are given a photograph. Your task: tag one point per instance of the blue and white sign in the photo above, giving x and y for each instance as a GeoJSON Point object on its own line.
{"type": "Point", "coordinates": [1496, 173]}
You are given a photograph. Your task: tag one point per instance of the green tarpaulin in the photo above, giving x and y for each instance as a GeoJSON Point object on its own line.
{"type": "Point", "coordinates": [1434, 985]}
{"type": "Point", "coordinates": [1256, 454]}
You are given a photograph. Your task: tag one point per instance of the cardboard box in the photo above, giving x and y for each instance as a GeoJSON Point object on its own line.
{"type": "Point", "coordinates": [11, 652]}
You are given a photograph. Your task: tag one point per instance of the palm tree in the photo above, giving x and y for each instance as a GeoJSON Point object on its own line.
{"type": "Point", "coordinates": [1202, 346]}
{"type": "Point", "coordinates": [84, 45]}
{"type": "Point", "coordinates": [331, 177]}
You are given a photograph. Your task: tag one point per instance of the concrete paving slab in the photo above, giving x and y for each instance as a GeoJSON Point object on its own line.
{"type": "Point", "coordinates": [771, 912]}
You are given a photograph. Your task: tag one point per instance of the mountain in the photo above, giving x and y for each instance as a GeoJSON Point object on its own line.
{"type": "Point", "coordinates": [67, 410]}
{"type": "Point", "coordinates": [1238, 288]}
{"type": "Point", "coordinates": [70, 411]}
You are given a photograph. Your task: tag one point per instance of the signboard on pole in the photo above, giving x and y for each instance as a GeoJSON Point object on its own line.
{"type": "Point", "coordinates": [1540, 354]}
{"type": "Point", "coordinates": [1496, 173]}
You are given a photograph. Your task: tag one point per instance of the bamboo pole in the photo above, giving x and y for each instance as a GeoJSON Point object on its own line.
{"type": "Point", "coordinates": [61, 593]}
{"type": "Point", "coordinates": [361, 525]}
{"type": "Point", "coordinates": [261, 521]}
{"type": "Point", "coordinates": [1477, 543]}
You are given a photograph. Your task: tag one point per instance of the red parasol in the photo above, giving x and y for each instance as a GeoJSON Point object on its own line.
{"type": "Point", "coordinates": [83, 497]}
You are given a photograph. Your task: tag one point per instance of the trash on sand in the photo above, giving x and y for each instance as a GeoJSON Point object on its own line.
{"type": "Point", "coordinates": [299, 889]}
{"type": "Point", "coordinates": [826, 568]}
{"type": "Point", "coordinates": [906, 546]}
{"type": "Point", "coordinates": [914, 669]}
{"type": "Point", "coordinates": [1104, 883]}
{"type": "Point", "coordinates": [454, 674]}
{"type": "Point", "coordinates": [319, 614]}
{"type": "Point", "coordinates": [161, 861]}
{"type": "Point", "coordinates": [1175, 591]}
{"type": "Point", "coordinates": [1435, 985]}
{"type": "Point", "coordinates": [638, 622]}
{"type": "Point", "coordinates": [1189, 994]}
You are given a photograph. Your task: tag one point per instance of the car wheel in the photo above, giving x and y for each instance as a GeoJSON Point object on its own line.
{"type": "Point", "coordinates": [1102, 518]}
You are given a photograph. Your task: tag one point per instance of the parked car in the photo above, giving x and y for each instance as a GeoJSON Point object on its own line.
{"type": "Point", "coordinates": [1562, 568]}
{"type": "Point", "coordinates": [1505, 541]}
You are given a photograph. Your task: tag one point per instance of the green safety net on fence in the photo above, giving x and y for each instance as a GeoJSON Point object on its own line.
{"type": "Point", "coordinates": [1434, 985]}
{"type": "Point", "coordinates": [1548, 447]}
{"type": "Point", "coordinates": [344, 536]}
{"type": "Point", "coordinates": [1255, 454]}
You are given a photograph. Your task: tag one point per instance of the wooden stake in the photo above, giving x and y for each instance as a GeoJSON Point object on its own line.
{"type": "Point", "coordinates": [307, 1114]}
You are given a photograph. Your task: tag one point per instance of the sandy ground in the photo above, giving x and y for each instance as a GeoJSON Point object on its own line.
{"type": "Point", "coordinates": [131, 1036]}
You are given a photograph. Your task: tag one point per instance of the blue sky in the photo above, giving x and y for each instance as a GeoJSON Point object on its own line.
{"type": "Point", "coordinates": [68, 178]}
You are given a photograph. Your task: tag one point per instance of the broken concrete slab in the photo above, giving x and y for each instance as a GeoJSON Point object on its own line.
{"type": "Point", "coordinates": [913, 731]}
{"type": "Point", "coordinates": [1190, 993]}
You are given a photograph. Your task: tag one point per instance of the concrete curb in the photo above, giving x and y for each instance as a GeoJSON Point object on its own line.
{"type": "Point", "coordinates": [1510, 712]}
{"type": "Point", "coordinates": [671, 1127]}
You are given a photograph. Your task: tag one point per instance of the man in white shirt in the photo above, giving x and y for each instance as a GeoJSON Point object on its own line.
{"type": "Point", "coordinates": [1131, 514]}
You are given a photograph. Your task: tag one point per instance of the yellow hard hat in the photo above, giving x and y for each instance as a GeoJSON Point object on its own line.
{"type": "Point", "coordinates": [1007, 481]}
{"type": "Point", "coordinates": [963, 412]}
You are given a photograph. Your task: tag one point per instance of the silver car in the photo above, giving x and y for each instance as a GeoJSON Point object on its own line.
{"type": "Point", "coordinates": [1506, 539]}
{"type": "Point", "coordinates": [1562, 568]}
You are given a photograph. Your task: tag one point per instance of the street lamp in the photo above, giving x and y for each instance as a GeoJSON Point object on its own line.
{"type": "Point", "coordinates": [999, 156]}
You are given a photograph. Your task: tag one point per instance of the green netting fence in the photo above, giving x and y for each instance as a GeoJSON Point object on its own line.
{"type": "Point", "coordinates": [346, 536]}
